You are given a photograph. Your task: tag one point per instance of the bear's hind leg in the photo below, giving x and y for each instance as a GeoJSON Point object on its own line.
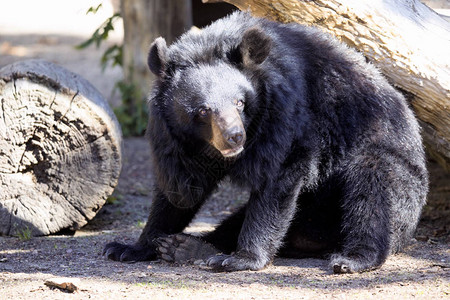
{"type": "Point", "coordinates": [164, 219]}
{"type": "Point", "coordinates": [366, 216]}
{"type": "Point", "coordinates": [183, 247]}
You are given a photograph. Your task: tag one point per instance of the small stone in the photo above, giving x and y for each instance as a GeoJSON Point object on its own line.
{"type": "Point", "coordinates": [66, 284]}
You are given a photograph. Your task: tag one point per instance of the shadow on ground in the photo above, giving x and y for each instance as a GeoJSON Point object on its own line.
{"type": "Point", "coordinates": [25, 264]}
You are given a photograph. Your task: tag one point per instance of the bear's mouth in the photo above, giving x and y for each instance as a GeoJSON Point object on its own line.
{"type": "Point", "coordinates": [232, 152]}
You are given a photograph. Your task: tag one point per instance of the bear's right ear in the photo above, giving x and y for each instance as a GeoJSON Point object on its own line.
{"type": "Point", "coordinates": [255, 46]}
{"type": "Point", "coordinates": [157, 56]}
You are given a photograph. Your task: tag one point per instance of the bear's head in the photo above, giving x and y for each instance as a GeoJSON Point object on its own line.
{"type": "Point", "coordinates": [208, 95]}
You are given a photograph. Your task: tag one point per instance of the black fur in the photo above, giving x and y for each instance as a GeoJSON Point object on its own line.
{"type": "Point", "coordinates": [157, 56]}
{"type": "Point", "coordinates": [332, 153]}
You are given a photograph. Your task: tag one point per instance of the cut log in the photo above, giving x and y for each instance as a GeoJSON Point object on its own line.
{"type": "Point", "coordinates": [405, 39]}
{"type": "Point", "coordinates": [60, 149]}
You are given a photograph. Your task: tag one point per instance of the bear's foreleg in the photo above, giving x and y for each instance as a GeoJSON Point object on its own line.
{"type": "Point", "coordinates": [268, 214]}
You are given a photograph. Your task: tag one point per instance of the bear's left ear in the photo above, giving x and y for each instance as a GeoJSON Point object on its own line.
{"type": "Point", "coordinates": [157, 56]}
{"type": "Point", "coordinates": [255, 46]}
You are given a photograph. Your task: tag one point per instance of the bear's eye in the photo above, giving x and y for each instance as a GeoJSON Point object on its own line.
{"type": "Point", "coordinates": [239, 103]}
{"type": "Point", "coordinates": [203, 111]}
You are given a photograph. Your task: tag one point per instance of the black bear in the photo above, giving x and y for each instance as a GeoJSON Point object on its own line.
{"type": "Point", "coordinates": [331, 152]}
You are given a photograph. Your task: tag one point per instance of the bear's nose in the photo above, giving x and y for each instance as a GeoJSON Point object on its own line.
{"type": "Point", "coordinates": [235, 137]}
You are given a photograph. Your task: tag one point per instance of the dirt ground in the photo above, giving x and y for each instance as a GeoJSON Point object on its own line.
{"type": "Point", "coordinates": [422, 271]}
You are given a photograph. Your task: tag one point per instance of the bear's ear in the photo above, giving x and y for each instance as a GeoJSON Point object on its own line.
{"type": "Point", "coordinates": [255, 46]}
{"type": "Point", "coordinates": [157, 56]}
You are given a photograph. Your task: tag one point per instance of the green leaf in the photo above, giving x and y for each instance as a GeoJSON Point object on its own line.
{"type": "Point", "coordinates": [101, 33]}
{"type": "Point", "coordinates": [94, 10]}
{"type": "Point", "coordinates": [132, 113]}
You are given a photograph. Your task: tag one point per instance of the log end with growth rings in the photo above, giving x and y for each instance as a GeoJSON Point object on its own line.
{"type": "Point", "coordinates": [60, 149]}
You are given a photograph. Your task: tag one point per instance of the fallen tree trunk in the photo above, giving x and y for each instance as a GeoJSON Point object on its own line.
{"type": "Point", "coordinates": [60, 149]}
{"type": "Point", "coordinates": [405, 39]}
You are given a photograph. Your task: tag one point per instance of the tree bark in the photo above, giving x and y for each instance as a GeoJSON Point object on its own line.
{"type": "Point", "coordinates": [144, 21]}
{"type": "Point", "coordinates": [60, 149]}
{"type": "Point", "coordinates": [405, 39]}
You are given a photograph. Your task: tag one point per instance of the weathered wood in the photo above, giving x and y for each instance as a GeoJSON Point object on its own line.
{"type": "Point", "coordinates": [60, 149]}
{"type": "Point", "coordinates": [144, 21]}
{"type": "Point", "coordinates": [405, 39]}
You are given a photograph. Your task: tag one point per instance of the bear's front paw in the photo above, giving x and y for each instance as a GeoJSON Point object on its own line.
{"type": "Point", "coordinates": [129, 253]}
{"type": "Point", "coordinates": [237, 262]}
{"type": "Point", "coordinates": [342, 264]}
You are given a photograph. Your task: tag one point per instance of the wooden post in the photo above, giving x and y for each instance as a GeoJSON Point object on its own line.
{"type": "Point", "coordinates": [144, 21]}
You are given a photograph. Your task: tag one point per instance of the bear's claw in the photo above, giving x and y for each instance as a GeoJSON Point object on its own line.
{"type": "Point", "coordinates": [128, 253]}
{"type": "Point", "coordinates": [235, 262]}
{"type": "Point", "coordinates": [183, 248]}
{"type": "Point", "coordinates": [342, 264]}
